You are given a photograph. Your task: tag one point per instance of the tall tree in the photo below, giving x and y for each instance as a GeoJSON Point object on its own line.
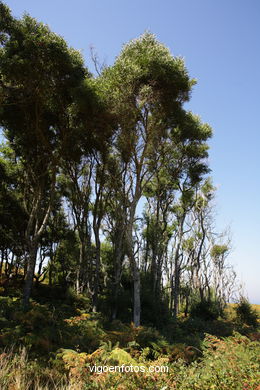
{"type": "Point", "coordinates": [146, 88]}
{"type": "Point", "coordinates": [41, 79]}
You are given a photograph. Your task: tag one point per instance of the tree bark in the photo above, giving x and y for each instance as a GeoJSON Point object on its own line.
{"type": "Point", "coordinates": [97, 269]}
{"type": "Point", "coordinates": [82, 250]}
{"type": "Point", "coordinates": [118, 261]}
{"type": "Point", "coordinates": [135, 273]}
{"type": "Point", "coordinates": [137, 295]}
{"type": "Point", "coordinates": [29, 275]}
{"type": "Point", "coordinates": [176, 290]}
{"type": "Point", "coordinates": [177, 268]}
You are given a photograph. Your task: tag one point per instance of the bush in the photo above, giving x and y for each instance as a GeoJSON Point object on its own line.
{"type": "Point", "coordinates": [146, 336]}
{"type": "Point", "coordinates": [84, 332]}
{"type": "Point", "coordinates": [225, 364]}
{"type": "Point", "coordinates": [246, 314]}
{"type": "Point", "coordinates": [206, 310]}
{"type": "Point", "coordinates": [230, 364]}
{"type": "Point", "coordinates": [8, 306]}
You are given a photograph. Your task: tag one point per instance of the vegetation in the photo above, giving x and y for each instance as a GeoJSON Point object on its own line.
{"type": "Point", "coordinates": [246, 314]}
{"type": "Point", "coordinates": [109, 254]}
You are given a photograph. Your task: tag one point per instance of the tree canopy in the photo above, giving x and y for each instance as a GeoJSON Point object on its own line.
{"type": "Point", "coordinates": [105, 183]}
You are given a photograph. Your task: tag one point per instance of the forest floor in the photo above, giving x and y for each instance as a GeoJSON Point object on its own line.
{"type": "Point", "coordinates": [60, 345]}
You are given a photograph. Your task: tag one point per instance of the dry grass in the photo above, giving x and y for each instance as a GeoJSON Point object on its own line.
{"type": "Point", "coordinates": [256, 308]}
{"type": "Point", "coordinates": [18, 373]}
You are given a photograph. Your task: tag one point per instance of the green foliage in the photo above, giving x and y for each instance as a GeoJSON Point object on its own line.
{"type": "Point", "coordinates": [218, 250]}
{"type": "Point", "coordinates": [37, 63]}
{"type": "Point", "coordinates": [226, 364]}
{"type": "Point", "coordinates": [149, 336]}
{"type": "Point", "coordinates": [221, 364]}
{"type": "Point", "coordinates": [8, 306]}
{"type": "Point", "coordinates": [206, 310]}
{"type": "Point", "coordinates": [246, 314]}
{"type": "Point", "coordinates": [46, 327]}
{"type": "Point", "coordinates": [58, 121]}
{"type": "Point", "coordinates": [54, 114]}
{"type": "Point", "coordinates": [118, 356]}
{"type": "Point", "coordinates": [155, 310]}
{"type": "Point", "coordinates": [232, 363]}
{"type": "Point", "coordinates": [85, 332]}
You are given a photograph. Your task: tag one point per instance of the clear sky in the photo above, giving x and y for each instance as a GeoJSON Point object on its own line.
{"type": "Point", "coordinates": [219, 40]}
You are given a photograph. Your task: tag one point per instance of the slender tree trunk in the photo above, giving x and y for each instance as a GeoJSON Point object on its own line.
{"type": "Point", "coordinates": [171, 294]}
{"type": "Point", "coordinates": [34, 231]}
{"type": "Point", "coordinates": [97, 269]}
{"type": "Point", "coordinates": [30, 274]}
{"type": "Point", "coordinates": [2, 261]}
{"type": "Point", "coordinates": [115, 294]}
{"type": "Point", "coordinates": [158, 285]}
{"type": "Point", "coordinates": [177, 269]}
{"type": "Point", "coordinates": [154, 271]}
{"type": "Point", "coordinates": [137, 295]}
{"type": "Point", "coordinates": [79, 267]}
{"type": "Point", "coordinates": [186, 305]}
{"type": "Point", "coordinates": [10, 271]}
{"type": "Point", "coordinates": [119, 257]}
{"type": "Point", "coordinates": [51, 266]}
{"type": "Point", "coordinates": [135, 274]}
{"type": "Point", "coordinates": [176, 293]}
{"type": "Point", "coordinates": [6, 263]}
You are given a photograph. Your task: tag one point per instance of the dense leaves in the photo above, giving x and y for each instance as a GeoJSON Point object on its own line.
{"type": "Point", "coordinates": [107, 217]}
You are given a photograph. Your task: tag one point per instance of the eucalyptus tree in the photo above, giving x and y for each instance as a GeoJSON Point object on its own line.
{"type": "Point", "coordinates": [115, 222]}
{"type": "Point", "coordinates": [146, 88]}
{"type": "Point", "coordinates": [77, 190]}
{"type": "Point", "coordinates": [12, 215]}
{"type": "Point", "coordinates": [57, 230]}
{"type": "Point", "coordinates": [83, 181]}
{"type": "Point", "coordinates": [83, 185]}
{"type": "Point", "coordinates": [170, 196]}
{"type": "Point", "coordinates": [41, 81]}
{"type": "Point", "coordinates": [223, 275]}
{"type": "Point", "coordinates": [99, 207]}
{"type": "Point", "coordinates": [205, 269]}
{"type": "Point", "coordinates": [202, 230]}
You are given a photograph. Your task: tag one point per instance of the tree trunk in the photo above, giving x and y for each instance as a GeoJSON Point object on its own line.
{"type": "Point", "coordinates": [82, 251]}
{"type": "Point", "coordinates": [30, 274]}
{"type": "Point", "coordinates": [97, 270]}
{"type": "Point", "coordinates": [137, 296]}
{"type": "Point", "coordinates": [176, 290]}
{"type": "Point", "coordinates": [177, 269]}
{"type": "Point", "coordinates": [135, 274]}
{"type": "Point", "coordinates": [2, 261]}
{"type": "Point", "coordinates": [118, 261]}
{"type": "Point", "coordinates": [186, 305]}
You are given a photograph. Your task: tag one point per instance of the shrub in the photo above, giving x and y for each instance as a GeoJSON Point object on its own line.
{"type": "Point", "coordinates": [84, 332]}
{"type": "Point", "coordinates": [246, 314]}
{"type": "Point", "coordinates": [230, 364]}
{"type": "Point", "coordinates": [7, 307]}
{"type": "Point", "coordinates": [206, 310]}
{"type": "Point", "coordinates": [147, 336]}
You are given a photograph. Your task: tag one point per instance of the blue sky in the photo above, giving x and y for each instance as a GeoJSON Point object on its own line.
{"type": "Point", "coordinates": [219, 41]}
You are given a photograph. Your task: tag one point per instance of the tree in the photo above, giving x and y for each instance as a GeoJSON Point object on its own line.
{"type": "Point", "coordinates": [41, 80]}
{"type": "Point", "coordinates": [146, 88]}
{"type": "Point", "coordinates": [12, 215]}
{"type": "Point", "coordinates": [204, 253]}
